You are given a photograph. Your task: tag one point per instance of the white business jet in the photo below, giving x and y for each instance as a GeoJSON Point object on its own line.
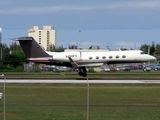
{"type": "Point", "coordinates": [80, 59]}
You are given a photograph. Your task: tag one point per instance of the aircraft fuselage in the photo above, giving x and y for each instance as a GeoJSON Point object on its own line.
{"type": "Point", "coordinates": [95, 58]}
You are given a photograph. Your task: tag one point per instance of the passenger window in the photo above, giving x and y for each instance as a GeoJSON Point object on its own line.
{"type": "Point", "coordinates": [123, 56]}
{"type": "Point", "coordinates": [104, 57]}
{"type": "Point", "coordinates": [110, 57]}
{"type": "Point", "coordinates": [117, 56]}
{"type": "Point", "coordinates": [90, 58]}
{"type": "Point", "coordinates": [97, 57]}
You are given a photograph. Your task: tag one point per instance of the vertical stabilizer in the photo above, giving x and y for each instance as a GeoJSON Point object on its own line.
{"type": "Point", "coordinates": [31, 48]}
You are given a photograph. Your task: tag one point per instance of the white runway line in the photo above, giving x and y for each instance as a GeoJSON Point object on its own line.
{"type": "Point", "coordinates": [82, 81]}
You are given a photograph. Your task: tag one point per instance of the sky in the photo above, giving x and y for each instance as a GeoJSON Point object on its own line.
{"type": "Point", "coordinates": [105, 23]}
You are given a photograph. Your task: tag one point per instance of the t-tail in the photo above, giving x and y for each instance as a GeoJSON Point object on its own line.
{"type": "Point", "coordinates": [31, 48]}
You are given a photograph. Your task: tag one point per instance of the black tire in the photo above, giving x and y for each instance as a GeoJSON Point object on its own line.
{"type": "Point", "coordinates": [84, 74]}
{"type": "Point", "coordinates": [80, 73]}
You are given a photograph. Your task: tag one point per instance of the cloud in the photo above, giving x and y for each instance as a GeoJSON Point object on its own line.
{"type": "Point", "coordinates": [42, 10]}
{"type": "Point", "coordinates": [128, 45]}
{"type": "Point", "coordinates": [4, 2]}
{"type": "Point", "coordinates": [137, 5]}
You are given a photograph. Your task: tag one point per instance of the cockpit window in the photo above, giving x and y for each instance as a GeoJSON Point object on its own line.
{"type": "Point", "coordinates": [142, 53]}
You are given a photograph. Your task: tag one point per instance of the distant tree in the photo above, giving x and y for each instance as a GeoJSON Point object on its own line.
{"type": "Point", "coordinates": [14, 61]}
{"type": "Point", "coordinates": [152, 49]}
{"type": "Point", "coordinates": [14, 46]}
{"type": "Point", "coordinates": [144, 48]}
{"type": "Point", "coordinates": [13, 56]}
{"type": "Point", "coordinates": [2, 65]}
{"type": "Point", "coordinates": [52, 48]}
{"type": "Point", "coordinates": [157, 50]}
{"type": "Point", "coordinates": [16, 50]}
{"type": "Point", "coordinates": [20, 54]}
{"type": "Point", "coordinates": [72, 47]}
{"type": "Point", "coordinates": [60, 49]}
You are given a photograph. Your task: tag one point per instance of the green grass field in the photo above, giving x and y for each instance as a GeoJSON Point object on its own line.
{"type": "Point", "coordinates": [69, 102]}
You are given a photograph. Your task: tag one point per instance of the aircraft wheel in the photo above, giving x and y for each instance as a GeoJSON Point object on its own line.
{"type": "Point", "coordinates": [84, 74]}
{"type": "Point", "coordinates": [80, 73]}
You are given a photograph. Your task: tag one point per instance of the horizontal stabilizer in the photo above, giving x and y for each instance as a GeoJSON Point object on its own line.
{"type": "Point", "coordinates": [23, 38]}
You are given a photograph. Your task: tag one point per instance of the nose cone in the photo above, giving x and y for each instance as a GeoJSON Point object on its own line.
{"type": "Point", "coordinates": [147, 57]}
{"type": "Point", "coordinates": [152, 58]}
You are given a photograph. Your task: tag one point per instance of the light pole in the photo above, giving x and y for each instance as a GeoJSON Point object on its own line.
{"type": "Point", "coordinates": [79, 30]}
{"type": "Point", "coordinates": [4, 94]}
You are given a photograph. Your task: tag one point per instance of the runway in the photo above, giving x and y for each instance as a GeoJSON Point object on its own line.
{"type": "Point", "coordinates": [63, 81]}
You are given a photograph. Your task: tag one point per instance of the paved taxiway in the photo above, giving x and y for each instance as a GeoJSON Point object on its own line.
{"type": "Point", "coordinates": [63, 81]}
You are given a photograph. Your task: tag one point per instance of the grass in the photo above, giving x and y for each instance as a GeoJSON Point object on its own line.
{"type": "Point", "coordinates": [69, 102]}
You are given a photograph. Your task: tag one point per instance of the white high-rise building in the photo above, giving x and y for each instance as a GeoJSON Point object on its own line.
{"type": "Point", "coordinates": [0, 35]}
{"type": "Point", "coordinates": [45, 36]}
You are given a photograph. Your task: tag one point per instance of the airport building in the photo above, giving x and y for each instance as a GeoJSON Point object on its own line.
{"type": "Point", "coordinates": [0, 35]}
{"type": "Point", "coordinates": [46, 36]}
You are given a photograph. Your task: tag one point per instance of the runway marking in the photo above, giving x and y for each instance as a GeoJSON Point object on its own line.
{"type": "Point", "coordinates": [81, 81]}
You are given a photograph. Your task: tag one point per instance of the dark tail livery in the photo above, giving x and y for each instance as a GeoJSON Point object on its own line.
{"type": "Point", "coordinates": [31, 48]}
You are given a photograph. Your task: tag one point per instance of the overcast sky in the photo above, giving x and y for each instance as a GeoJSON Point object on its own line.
{"type": "Point", "coordinates": [113, 23]}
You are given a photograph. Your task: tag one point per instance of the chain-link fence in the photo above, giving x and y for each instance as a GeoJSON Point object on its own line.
{"type": "Point", "coordinates": [79, 102]}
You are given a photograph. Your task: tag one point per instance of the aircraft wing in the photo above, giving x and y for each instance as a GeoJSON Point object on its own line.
{"type": "Point", "coordinates": [76, 65]}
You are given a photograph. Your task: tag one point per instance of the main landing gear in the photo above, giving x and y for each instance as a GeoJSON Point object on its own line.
{"type": "Point", "coordinates": [82, 71]}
